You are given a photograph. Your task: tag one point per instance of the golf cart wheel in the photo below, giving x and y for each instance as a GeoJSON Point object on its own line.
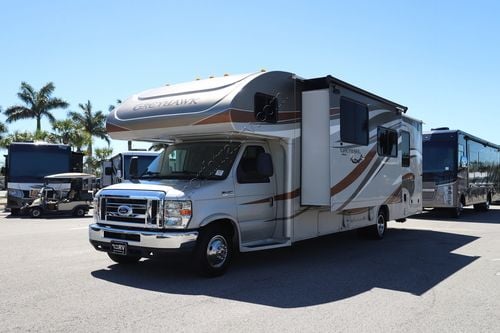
{"type": "Point", "coordinates": [36, 212]}
{"type": "Point", "coordinates": [79, 212]}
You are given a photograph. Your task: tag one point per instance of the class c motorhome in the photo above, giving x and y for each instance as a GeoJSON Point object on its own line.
{"type": "Point", "coordinates": [257, 161]}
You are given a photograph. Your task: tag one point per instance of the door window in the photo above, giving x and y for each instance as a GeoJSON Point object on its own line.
{"type": "Point", "coordinates": [247, 169]}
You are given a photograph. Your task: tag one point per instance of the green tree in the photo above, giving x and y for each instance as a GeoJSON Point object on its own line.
{"type": "Point", "coordinates": [3, 127]}
{"type": "Point", "coordinates": [91, 122]}
{"type": "Point", "coordinates": [38, 104]}
{"type": "Point", "coordinates": [65, 130]}
{"type": "Point", "coordinates": [102, 154]}
{"type": "Point", "coordinates": [93, 164]}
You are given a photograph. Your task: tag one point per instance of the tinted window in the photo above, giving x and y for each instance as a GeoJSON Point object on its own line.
{"type": "Point", "coordinates": [142, 164]}
{"type": "Point", "coordinates": [405, 149]}
{"type": "Point", "coordinates": [387, 142]}
{"type": "Point", "coordinates": [247, 169]}
{"type": "Point", "coordinates": [265, 108]}
{"type": "Point", "coordinates": [32, 163]}
{"type": "Point", "coordinates": [200, 160]}
{"type": "Point", "coordinates": [353, 122]}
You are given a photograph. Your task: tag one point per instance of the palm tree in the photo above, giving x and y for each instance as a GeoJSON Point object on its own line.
{"type": "Point", "coordinates": [91, 123]}
{"type": "Point", "coordinates": [38, 104]}
{"type": "Point", "coordinates": [3, 128]}
{"type": "Point", "coordinates": [64, 129]}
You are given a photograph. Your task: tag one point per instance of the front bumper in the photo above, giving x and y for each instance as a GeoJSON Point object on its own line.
{"type": "Point", "coordinates": [140, 241]}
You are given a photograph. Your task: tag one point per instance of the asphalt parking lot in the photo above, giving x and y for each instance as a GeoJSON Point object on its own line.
{"type": "Point", "coordinates": [430, 274]}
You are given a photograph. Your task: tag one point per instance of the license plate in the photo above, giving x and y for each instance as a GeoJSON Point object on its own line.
{"type": "Point", "coordinates": [119, 248]}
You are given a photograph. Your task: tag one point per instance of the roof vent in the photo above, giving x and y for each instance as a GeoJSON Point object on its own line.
{"type": "Point", "coordinates": [440, 129]}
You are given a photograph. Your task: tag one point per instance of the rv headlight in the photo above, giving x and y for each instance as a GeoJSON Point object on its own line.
{"type": "Point", "coordinates": [177, 213]}
{"type": "Point", "coordinates": [15, 193]}
{"type": "Point", "coordinates": [97, 208]}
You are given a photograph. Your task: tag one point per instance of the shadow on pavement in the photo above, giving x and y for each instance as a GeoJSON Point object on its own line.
{"type": "Point", "coordinates": [312, 272]}
{"type": "Point", "coordinates": [468, 215]}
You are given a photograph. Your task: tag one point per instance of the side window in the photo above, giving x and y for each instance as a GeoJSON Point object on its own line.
{"type": "Point", "coordinates": [461, 154]}
{"type": "Point", "coordinates": [265, 108]}
{"type": "Point", "coordinates": [387, 142]}
{"type": "Point", "coordinates": [247, 169]}
{"type": "Point", "coordinates": [405, 149]}
{"type": "Point", "coordinates": [353, 122]}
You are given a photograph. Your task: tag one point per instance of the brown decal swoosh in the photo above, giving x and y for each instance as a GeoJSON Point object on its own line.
{"type": "Point", "coordinates": [354, 174]}
{"type": "Point", "coordinates": [115, 128]}
{"type": "Point", "coordinates": [279, 197]}
{"type": "Point", "coordinates": [240, 116]}
{"type": "Point", "coordinates": [395, 197]}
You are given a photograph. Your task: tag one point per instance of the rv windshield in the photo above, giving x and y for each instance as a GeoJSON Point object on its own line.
{"type": "Point", "coordinates": [439, 158]}
{"type": "Point", "coordinates": [200, 160]}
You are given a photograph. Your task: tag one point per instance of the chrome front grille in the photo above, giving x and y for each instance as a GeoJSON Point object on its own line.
{"type": "Point", "coordinates": [131, 211]}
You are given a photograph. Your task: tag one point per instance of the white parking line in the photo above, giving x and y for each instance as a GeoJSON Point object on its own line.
{"type": "Point", "coordinates": [79, 228]}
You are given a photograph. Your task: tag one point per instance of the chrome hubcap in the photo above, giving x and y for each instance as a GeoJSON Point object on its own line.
{"type": "Point", "coordinates": [217, 251]}
{"type": "Point", "coordinates": [380, 225]}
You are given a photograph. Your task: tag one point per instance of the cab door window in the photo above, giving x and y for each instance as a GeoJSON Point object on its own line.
{"type": "Point", "coordinates": [247, 168]}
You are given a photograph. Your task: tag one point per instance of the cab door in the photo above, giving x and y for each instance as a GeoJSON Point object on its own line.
{"type": "Point", "coordinates": [255, 196]}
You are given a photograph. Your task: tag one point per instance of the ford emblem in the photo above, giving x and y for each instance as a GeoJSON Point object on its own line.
{"type": "Point", "coordinates": [124, 210]}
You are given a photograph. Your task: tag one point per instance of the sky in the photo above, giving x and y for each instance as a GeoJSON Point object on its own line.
{"type": "Point", "coordinates": [441, 59]}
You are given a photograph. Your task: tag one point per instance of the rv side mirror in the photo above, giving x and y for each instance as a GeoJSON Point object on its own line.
{"type": "Point", "coordinates": [464, 162]}
{"type": "Point", "coordinates": [133, 169]}
{"type": "Point", "coordinates": [265, 165]}
{"type": "Point", "coordinates": [108, 171]}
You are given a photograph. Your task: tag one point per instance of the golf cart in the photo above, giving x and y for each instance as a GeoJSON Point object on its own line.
{"type": "Point", "coordinates": [63, 193]}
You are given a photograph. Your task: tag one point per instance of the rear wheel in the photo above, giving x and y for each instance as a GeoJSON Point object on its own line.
{"type": "Point", "coordinates": [36, 212]}
{"type": "Point", "coordinates": [121, 259]}
{"type": "Point", "coordinates": [457, 211]}
{"type": "Point", "coordinates": [214, 251]}
{"type": "Point", "coordinates": [378, 230]}
{"type": "Point", "coordinates": [486, 206]}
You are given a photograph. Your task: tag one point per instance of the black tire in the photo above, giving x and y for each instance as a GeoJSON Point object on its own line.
{"type": "Point", "coordinates": [15, 211]}
{"type": "Point", "coordinates": [121, 259]}
{"type": "Point", "coordinates": [486, 206]}
{"type": "Point", "coordinates": [214, 251]}
{"type": "Point", "coordinates": [378, 230]}
{"type": "Point", "coordinates": [79, 212]}
{"type": "Point", "coordinates": [36, 212]}
{"type": "Point", "coordinates": [457, 211]}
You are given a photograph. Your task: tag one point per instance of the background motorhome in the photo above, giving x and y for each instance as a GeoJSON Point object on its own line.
{"type": "Point", "coordinates": [116, 169]}
{"type": "Point", "coordinates": [258, 161]}
{"type": "Point", "coordinates": [27, 165]}
{"type": "Point", "coordinates": [459, 170]}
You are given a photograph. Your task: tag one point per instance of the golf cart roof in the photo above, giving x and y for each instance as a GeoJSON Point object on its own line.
{"type": "Point", "coordinates": [70, 175]}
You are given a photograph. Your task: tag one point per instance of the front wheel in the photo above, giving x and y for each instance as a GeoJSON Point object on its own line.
{"type": "Point", "coordinates": [121, 259]}
{"type": "Point", "coordinates": [79, 212]}
{"type": "Point", "coordinates": [36, 212]}
{"type": "Point", "coordinates": [457, 211]}
{"type": "Point", "coordinates": [213, 252]}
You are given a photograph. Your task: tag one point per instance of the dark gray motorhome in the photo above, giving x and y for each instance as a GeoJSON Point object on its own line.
{"type": "Point", "coordinates": [459, 170]}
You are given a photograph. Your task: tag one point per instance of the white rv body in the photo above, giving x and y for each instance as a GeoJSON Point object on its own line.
{"type": "Point", "coordinates": [341, 157]}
